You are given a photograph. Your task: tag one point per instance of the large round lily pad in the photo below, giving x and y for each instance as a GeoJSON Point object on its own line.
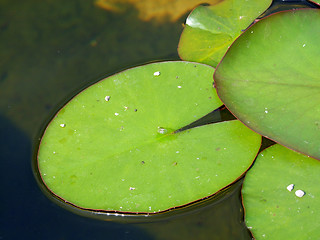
{"type": "Point", "coordinates": [270, 79]}
{"type": "Point", "coordinates": [115, 146]}
{"type": "Point", "coordinates": [281, 195]}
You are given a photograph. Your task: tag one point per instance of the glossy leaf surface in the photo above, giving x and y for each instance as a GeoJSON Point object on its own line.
{"type": "Point", "coordinates": [113, 147]}
{"type": "Point", "coordinates": [210, 30]}
{"type": "Point", "coordinates": [272, 211]}
{"type": "Point", "coordinates": [270, 79]}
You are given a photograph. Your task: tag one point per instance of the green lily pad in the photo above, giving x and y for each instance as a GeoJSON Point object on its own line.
{"type": "Point", "coordinates": [115, 146]}
{"type": "Point", "coordinates": [270, 79]}
{"type": "Point", "coordinates": [210, 30]}
{"type": "Point", "coordinates": [272, 211]}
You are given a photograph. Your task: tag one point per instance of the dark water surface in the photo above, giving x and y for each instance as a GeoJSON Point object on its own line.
{"type": "Point", "coordinates": [49, 50]}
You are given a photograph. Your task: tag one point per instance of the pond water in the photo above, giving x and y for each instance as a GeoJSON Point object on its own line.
{"type": "Point", "coordinates": [49, 51]}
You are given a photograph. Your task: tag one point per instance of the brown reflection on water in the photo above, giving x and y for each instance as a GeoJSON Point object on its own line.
{"type": "Point", "coordinates": [159, 10]}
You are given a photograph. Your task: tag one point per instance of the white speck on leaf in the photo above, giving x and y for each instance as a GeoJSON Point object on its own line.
{"type": "Point", "coordinates": [62, 125]}
{"type": "Point", "coordinates": [156, 73]}
{"type": "Point", "coordinates": [290, 187]}
{"type": "Point", "coordinates": [107, 98]}
{"type": "Point", "coordinates": [116, 114]}
{"type": "Point", "coordinates": [132, 188]}
{"type": "Point", "coordinates": [300, 193]}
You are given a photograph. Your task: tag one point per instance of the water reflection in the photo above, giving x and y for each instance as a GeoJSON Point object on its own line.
{"type": "Point", "coordinates": [157, 10]}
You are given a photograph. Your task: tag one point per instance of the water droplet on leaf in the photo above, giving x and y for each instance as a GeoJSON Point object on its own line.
{"type": "Point", "coordinates": [162, 130]}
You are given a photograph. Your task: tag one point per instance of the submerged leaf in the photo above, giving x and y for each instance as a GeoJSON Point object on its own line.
{"type": "Point", "coordinates": [270, 79]}
{"type": "Point", "coordinates": [281, 195]}
{"type": "Point", "coordinates": [114, 147]}
{"type": "Point", "coordinates": [210, 30]}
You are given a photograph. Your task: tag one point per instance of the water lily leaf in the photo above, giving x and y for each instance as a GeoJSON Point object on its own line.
{"type": "Point", "coordinates": [210, 30]}
{"type": "Point", "coordinates": [281, 195]}
{"type": "Point", "coordinates": [114, 147]}
{"type": "Point", "coordinates": [270, 79]}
